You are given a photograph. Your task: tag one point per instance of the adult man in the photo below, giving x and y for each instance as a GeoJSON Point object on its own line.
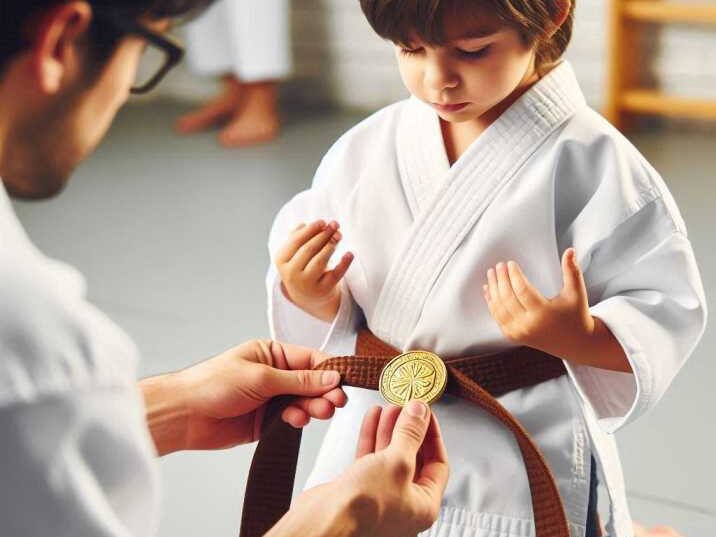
{"type": "Point", "coordinates": [76, 453]}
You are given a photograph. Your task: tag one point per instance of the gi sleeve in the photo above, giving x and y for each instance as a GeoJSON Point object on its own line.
{"type": "Point", "coordinates": [77, 464]}
{"type": "Point", "coordinates": [288, 322]}
{"type": "Point", "coordinates": [644, 284]}
{"type": "Point", "coordinates": [76, 459]}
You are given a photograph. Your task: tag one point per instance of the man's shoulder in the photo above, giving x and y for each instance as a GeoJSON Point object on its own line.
{"type": "Point", "coordinates": [51, 339]}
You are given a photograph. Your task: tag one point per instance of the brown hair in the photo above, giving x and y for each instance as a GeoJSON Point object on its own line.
{"type": "Point", "coordinates": [402, 21]}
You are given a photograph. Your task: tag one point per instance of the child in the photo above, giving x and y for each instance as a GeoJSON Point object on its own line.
{"type": "Point", "coordinates": [495, 158]}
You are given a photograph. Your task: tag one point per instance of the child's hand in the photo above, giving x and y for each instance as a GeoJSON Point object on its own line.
{"type": "Point", "coordinates": [557, 326]}
{"type": "Point", "coordinates": [302, 264]}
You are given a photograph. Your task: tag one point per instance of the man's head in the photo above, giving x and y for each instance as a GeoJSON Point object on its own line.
{"type": "Point", "coordinates": [66, 67]}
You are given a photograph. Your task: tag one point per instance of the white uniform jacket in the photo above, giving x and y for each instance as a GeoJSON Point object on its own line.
{"type": "Point", "coordinates": [76, 459]}
{"type": "Point", "coordinates": [550, 173]}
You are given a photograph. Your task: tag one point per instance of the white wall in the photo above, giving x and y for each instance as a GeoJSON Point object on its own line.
{"type": "Point", "coordinates": [339, 59]}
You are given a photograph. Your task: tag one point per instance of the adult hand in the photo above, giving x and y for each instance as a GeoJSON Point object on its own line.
{"type": "Point", "coordinates": [394, 489]}
{"type": "Point", "coordinates": [221, 402]}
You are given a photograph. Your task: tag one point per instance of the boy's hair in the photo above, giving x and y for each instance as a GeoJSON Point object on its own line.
{"type": "Point", "coordinates": [402, 21]}
{"type": "Point", "coordinates": [15, 14]}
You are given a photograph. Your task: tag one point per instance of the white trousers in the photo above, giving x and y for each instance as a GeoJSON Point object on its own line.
{"type": "Point", "coordinates": [248, 38]}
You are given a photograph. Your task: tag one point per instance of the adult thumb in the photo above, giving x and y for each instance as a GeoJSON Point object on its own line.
{"type": "Point", "coordinates": [411, 427]}
{"type": "Point", "coordinates": [300, 382]}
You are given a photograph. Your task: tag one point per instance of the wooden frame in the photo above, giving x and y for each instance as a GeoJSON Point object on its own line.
{"type": "Point", "coordinates": [625, 99]}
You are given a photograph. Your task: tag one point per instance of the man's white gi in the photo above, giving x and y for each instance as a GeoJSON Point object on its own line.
{"type": "Point", "coordinates": [550, 173]}
{"type": "Point", "coordinates": [76, 459]}
{"type": "Point", "coordinates": [251, 40]}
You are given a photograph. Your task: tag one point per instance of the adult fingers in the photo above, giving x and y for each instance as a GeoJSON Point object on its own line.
{"type": "Point", "coordinates": [294, 357]}
{"type": "Point", "coordinates": [388, 419]}
{"type": "Point", "coordinates": [275, 382]}
{"type": "Point", "coordinates": [368, 431]}
{"type": "Point", "coordinates": [434, 472]}
{"type": "Point", "coordinates": [410, 429]}
{"type": "Point", "coordinates": [295, 417]}
{"type": "Point", "coordinates": [317, 407]}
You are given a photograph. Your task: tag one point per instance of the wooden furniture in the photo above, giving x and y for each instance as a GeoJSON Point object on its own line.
{"type": "Point", "coordinates": [625, 97]}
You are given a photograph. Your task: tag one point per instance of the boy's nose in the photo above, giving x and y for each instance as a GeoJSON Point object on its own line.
{"type": "Point", "coordinates": [439, 76]}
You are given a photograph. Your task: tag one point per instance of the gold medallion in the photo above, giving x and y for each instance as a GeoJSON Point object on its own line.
{"type": "Point", "coordinates": [414, 375]}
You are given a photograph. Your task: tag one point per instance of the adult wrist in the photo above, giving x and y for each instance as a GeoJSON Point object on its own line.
{"type": "Point", "coordinates": [167, 413]}
{"type": "Point", "coordinates": [325, 511]}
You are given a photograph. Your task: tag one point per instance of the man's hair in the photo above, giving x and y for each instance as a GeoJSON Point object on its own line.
{"type": "Point", "coordinates": [15, 14]}
{"type": "Point", "coordinates": [403, 21]}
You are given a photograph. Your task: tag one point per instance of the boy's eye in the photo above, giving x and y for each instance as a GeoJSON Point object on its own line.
{"type": "Point", "coordinates": [410, 51]}
{"type": "Point", "coordinates": [474, 54]}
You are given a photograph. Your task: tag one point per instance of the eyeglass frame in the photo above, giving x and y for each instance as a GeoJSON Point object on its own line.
{"type": "Point", "coordinates": [174, 52]}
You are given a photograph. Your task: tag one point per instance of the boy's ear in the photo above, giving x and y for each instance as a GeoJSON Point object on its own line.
{"type": "Point", "coordinates": [563, 7]}
{"type": "Point", "coordinates": [56, 40]}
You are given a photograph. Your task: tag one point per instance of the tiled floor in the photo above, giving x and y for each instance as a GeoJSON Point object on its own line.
{"type": "Point", "coordinates": [171, 232]}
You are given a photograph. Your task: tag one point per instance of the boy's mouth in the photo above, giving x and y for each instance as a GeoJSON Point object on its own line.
{"type": "Point", "coordinates": [449, 107]}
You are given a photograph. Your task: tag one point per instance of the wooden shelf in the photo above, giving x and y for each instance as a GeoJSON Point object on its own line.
{"type": "Point", "coordinates": [669, 12]}
{"type": "Point", "coordinates": [654, 102]}
{"type": "Point", "coordinates": [626, 98]}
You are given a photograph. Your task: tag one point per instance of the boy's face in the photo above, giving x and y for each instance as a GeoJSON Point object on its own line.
{"type": "Point", "coordinates": [475, 70]}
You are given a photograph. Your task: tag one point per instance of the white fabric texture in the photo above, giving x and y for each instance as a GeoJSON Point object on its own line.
{"type": "Point", "coordinates": [550, 173]}
{"type": "Point", "coordinates": [76, 459]}
{"type": "Point", "coordinates": [251, 40]}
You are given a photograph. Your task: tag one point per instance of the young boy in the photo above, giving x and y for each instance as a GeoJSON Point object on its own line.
{"type": "Point", "coordinates": [495, 158]}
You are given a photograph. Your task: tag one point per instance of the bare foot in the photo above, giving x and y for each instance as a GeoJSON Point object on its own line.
{"type": "Point", "coordinates": [257, 121]}
{"type": "Point", "coordinates": [657, 531]}
{"type": "Point", "coordinates": [219, 110]}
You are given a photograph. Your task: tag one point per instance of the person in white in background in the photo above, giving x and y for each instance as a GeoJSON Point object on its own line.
{"type": "Point", "coordinates": [248, 44]}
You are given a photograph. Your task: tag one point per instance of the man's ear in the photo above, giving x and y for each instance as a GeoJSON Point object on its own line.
{"type": "Point", "coordinates": [56, 38]}
{"type": "Point", "coordinates": [563, 7]}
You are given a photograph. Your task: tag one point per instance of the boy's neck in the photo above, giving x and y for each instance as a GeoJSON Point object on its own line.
{"type": "Point", "coordinates": [457, 137]}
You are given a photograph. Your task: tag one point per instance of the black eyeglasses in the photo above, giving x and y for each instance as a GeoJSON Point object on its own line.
{"type": "Point", "coordinates": [160, 57]}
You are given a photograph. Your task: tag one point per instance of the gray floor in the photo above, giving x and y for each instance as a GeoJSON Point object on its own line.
{"type": "Point", "coordinates": [170, 233]}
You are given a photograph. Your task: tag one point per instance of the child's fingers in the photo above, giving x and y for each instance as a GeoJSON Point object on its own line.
{"type": "Point", "coordinates": [507, 293]}
{"type": "Point", "coordinates": [317, 266]}
{"type": "Point", "coordinates": [528, 296]}
{"type": "Point", "coordinates": [332, 277]}
{"type": "Point", "coordinates": [298, 238]}
{"type": "Point", "coordinates": [495, 304]}
{"type": "Point", "coordinates": [573, 278]}
{"type": "Point", "coordinates": [311, 248]}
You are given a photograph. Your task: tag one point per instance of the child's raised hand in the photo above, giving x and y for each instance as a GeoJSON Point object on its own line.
{"type": "Point", "coordinates": [302, 264]}
{"type": "Point", "coordinates": [555, 325]}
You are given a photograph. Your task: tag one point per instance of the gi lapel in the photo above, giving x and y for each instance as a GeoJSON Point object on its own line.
{"type": "Point", "coordinates": [461, 198]}
{"type": "Point", "coordinates": [422, 159]}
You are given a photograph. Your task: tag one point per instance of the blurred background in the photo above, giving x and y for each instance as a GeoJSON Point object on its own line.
{"type": "Point", "coordinates": [171, 230]}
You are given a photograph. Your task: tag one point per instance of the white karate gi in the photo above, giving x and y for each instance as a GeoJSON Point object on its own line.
{"type": "Point", "coordinates": [550, 173]}
{"type": "Point", "coordinates": [250, 39]}
{"type": "Point", "coordinates": [76, 459]}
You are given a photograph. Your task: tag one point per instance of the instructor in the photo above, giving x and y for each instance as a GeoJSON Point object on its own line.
{"type": "Point", "coordinates": [77, 437]}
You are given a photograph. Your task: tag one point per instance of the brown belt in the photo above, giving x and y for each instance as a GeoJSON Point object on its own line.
{"type": "Point", "coordinates": [478, 379]}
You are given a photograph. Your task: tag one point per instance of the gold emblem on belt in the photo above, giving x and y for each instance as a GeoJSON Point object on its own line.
{"type": "Point", "coordinates": [414, 375]}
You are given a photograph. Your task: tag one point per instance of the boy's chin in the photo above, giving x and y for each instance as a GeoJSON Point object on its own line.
{"type": "Point", "coordinates": [462, 116]}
